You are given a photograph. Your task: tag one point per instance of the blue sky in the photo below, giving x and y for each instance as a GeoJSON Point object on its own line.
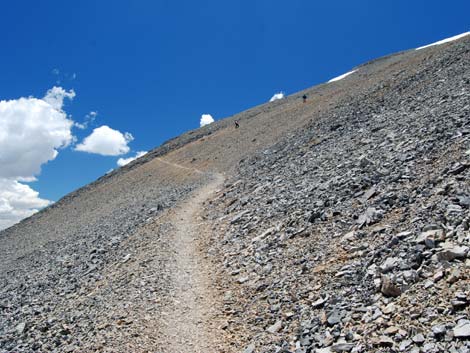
{"type": "Point", "coordinates": [151, 68]}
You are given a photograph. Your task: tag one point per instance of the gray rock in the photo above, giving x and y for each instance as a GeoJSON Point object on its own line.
{"type": "Point", "coordinates": [342, 347]}
{"type": "Point", "coordinates": [439, 330]}
{"type": "Point", "coordinates": [453, 252]}
{"type": "Point", "coordinates": [334, 318]}
{"type": "Point", "coordinates": [404, 345]}
{"type": "Point", "coordinates": [462, 330]}
{"type": "Point", "coordinates": [388, 288]}
{"type": "Point", "coordinates": [319, 303]}
{"type": "Point", "coordinates": [276, 327]}
{"type": "Point", "coordinates": [385, 341]}
{"type": "Point", "coordinates": [419, 338]}
{"type": "Point", "coordinates": [20, 328]}
{"type": "Point", "coordinates": [389, 264]}
{"type": "Point", "coordinates": [250, 348]}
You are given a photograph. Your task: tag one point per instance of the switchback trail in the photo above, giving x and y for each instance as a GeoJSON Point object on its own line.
{"type": "Point", "coordinates": [189, 322]}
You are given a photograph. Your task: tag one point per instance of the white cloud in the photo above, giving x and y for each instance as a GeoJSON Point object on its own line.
{"type": "Point", "coordinates": [81, 126]}
{"type": "Point", "coordinates": [123, 161]}
{"type": "Point", "coordinates": [17, 201]}
{"type": "Point", "coordinates": [55, 97]}
{"type": "Point", "coordinates": [340, 77]}
{"type": "Point", "coordinates": [206, 119]}
{"type": "Point", "coordinates": [89, 119]}
{"type": "Point", "coordinates": [277, 96]}
{"type": "Point", "coordinates": [451, 39]}
{"type": "Point", "coordinates": [106, 142]}
{"type": "Point", "coordinates": [32, 131]}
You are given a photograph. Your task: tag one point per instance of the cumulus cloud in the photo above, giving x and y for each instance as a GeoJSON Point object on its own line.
{"type": "Point", "coordinates": [32, 131]}
{"type": "Point", "coordinates": [277, 96]}
{"type": "Point", "coordinates": [123, 161]}
{"type": "Point", "coordinates": [206, 119]}
{"type": "Point", "coordinates": [106, 142]}
{"type": "Point", "coordinates": [17, 201]}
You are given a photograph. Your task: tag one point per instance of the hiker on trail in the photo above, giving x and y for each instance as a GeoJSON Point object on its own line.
{"type": "Point", "coordinates": [304, 97]}
{"type": "Point", "coordinates": [237, 125]}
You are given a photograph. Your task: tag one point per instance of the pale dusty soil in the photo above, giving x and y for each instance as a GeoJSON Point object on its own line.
{"type": "Point", "coordinates": [191, 321]}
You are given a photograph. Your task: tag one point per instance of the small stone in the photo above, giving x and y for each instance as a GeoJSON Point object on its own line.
{"type": "Point", "coordinates": [462, 329]}
{"type": "Point", "coordinates": [391, 330]}
{"type": "Point", "coordinates": [242, 280]}
{"type": "Point", "coordinates": [404, 345]}
{"type": "Point", "coordinates": [389, 264]}
{"type": "Point", "coordinates": [369, 193]}
{"type": "Point", "coordinates": [20, 328]}
{"type": "Point", "coordinates": [275, 328]}
{"type": "Point", "coordinates": [384, 341]}
{"type": "Point", "coordinates": [438, 330]}
{"type": "Point", "coordinates": [429, 347]}
{"type": "Point", "coordinates": [342, 347]}
{"type": "Point", "coordinates": [388, 288]}
{"type": "Point", "coordinates": [390, 308]}
{"type": "Point", "coordinates": [451, 253]}
{"type": "Point", "coordinates": [428, 284]}
{"type": "Point", "coordinates": [249, 349]}
{"type": "Point", "coordinates": [263, 235]}
{"type": "Point", "coordinates": [323, 350]}
{"type": "Point", "coordinates": [458, 304]}
{"type": "Point", "coordinates": [334, 318]}
{"type": "Point", "coordinates": [454, 209]}
{"type": "Point", "coordinates": [319, 303]}
{"type": "Point", "coordinates": [458, 168]}
{"type": "Point", "coordinates": [419, 338]}
{"type": "Point", "coordinates": [238, 216]}
{"type": "Point", "coordinates": [431, 236]}
{"type": "Point", "coordinates": [348, 236]}
{"type": "Point", "coordinates": [410, 276]}
{"type": "Point", "coordinates": [438, 276]}
{"type": "Point", "coordinates": [454, 276]}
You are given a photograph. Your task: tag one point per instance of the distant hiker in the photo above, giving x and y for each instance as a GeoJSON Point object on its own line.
{"type": "Point", "coordinates": [304, 97]}
{"type": "Point", "coordinates": [237, 125]}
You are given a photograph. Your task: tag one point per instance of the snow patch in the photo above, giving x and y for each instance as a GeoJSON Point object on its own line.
{"type": "Point", "coordinates": [342, 76]}
{"type": "Point", "coordinates": [447, 40]}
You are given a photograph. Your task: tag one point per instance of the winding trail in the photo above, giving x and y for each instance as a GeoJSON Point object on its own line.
{"type": "Point", "coordinates": [190, 323]}
{"type": "Point", "coordinates": [179, 166]}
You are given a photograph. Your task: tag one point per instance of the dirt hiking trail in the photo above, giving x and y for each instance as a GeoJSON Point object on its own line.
{"type": "Point", "coordinates": [189, 323]}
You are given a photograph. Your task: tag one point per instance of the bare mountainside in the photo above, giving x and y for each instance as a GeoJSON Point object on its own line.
{"type": "Point", "coordinates": [336, 225]}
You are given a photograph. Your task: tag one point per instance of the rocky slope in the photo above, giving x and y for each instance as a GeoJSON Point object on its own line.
{"type": "Point", "coordinates": [352, 233]}
{"type": "Point", "coordinates": [343, 226]}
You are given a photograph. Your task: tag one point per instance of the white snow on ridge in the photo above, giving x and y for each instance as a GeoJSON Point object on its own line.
{"type": "Point", "coordinates": [342, 76]}
{"type": "Point", "coordinates": [451, 39]}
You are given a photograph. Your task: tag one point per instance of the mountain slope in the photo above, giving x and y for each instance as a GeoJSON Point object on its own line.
{"type": "Point", "coordinates": [352, 233]}
{"type": "Point", "coordinates": [315, 242]}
